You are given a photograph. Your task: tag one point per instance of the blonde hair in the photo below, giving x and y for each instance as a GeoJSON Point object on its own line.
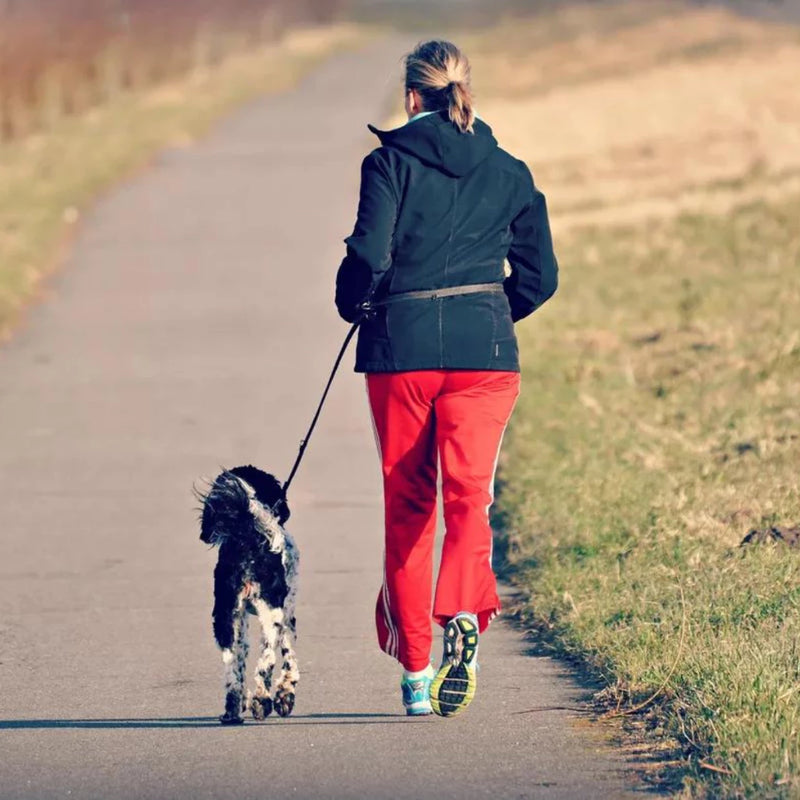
{"type": "Point", "coordinates": [440, 72]}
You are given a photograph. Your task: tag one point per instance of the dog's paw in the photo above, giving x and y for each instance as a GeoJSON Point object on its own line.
{"type": "Point", "coordinates": [233, 708]}
{"type": "Point", "coordinates": [284, 703]}
{"type": "Point", "coordinates": [261, 707]}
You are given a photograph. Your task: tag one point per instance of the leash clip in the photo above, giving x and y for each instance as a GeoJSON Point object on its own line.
{"type": "Point", "coordinates": [367, 309]}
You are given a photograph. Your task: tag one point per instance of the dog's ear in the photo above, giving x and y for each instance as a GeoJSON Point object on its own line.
{"type": "Point", "coordinates": [207, 526]}
{"type": "Point", "coordinates": [224, 507]}
{"type": "Point", "coordinates": [206, 510]}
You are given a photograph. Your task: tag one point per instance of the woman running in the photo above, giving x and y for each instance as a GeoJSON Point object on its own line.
{"type": "Point", "coordinates": [441, 208]}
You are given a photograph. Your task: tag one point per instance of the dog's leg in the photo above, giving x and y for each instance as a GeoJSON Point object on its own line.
{"type": "Point", "coordinates": [261, 704]}
{"type": "Point", "coordinates": [243, 647]}
{"type": "Point", "coordinates": [271, 620]}
{"type": "Point", "coordinates": [289, 673]}
{"type": "Point", "coordinates": [233, 658]}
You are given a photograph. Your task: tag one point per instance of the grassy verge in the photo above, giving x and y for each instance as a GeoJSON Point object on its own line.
{"type": "Point", "coordinates": [48, 178]}
{"type": "Point", "coordinates": [658, 424]}
{"type": "Point", "coordinates": [659, 420]}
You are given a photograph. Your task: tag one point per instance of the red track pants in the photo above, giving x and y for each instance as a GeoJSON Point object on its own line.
{"type": "Point", "coordinates": [459, 415]}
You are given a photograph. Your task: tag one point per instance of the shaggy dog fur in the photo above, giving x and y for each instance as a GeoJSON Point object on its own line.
{"type": "Point", "coordinates": [243, 513]}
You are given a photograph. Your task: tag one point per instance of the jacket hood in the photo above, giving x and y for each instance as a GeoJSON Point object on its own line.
{"type": "Point", "coordinates": [435, 141]}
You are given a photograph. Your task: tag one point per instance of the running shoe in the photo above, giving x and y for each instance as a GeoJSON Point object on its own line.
{"type": "Point", "coordinates": [453, 688]}
{"type": "Point", "coordinates": [417, 692]}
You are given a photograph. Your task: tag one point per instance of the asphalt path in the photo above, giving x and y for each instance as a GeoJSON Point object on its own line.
{"type": "Point", "coordinates": [192, 326]}
{"type": "Point", "coordinates": [784, 11]}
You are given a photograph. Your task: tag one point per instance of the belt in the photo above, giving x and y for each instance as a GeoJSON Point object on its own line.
{"type": "Point", "coordinates": [435, 294]}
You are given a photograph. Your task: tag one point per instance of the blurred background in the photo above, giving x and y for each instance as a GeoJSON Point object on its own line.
{"type": "Point", "coordinates": [61, 56]}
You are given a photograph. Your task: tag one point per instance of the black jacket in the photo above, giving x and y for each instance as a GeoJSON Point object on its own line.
{"type": "Point", "coordinates": [440, 208]}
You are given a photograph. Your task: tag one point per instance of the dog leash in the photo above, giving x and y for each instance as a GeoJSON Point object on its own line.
{"type": "Point", "coordinates": [304, 441]}
{"type": "Point", "coordinates": [367, 310]}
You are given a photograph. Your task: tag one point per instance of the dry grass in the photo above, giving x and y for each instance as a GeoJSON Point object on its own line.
{"type": "Point", "coordinates": [61, 57]}
{"type": "Point", "coordinates": [47, 178]}
{"type": "Point", "coordinates": [659, 420]}
{"type": "Point", "coordinates": [690, 111]}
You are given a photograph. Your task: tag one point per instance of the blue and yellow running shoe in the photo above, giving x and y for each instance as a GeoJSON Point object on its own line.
{"type": "Point", "coordinates": [453, 688]}
{"type": "Point", "coordinates": [416, 689]}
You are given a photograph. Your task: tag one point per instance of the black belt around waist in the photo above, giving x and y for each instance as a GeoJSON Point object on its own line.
{"type": "Point", "coordinates": [435, 294]}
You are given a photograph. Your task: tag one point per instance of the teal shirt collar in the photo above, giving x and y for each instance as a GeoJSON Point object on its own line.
{"type": "Point", "coordinates": [420, 115]}
{"type": "Point", "coordinates": [426, 114]}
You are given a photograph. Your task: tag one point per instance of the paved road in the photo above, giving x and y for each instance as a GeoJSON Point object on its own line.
{"type": "Point", "coordinates": [191, 327]}
{"type": "Point", "coordinates": [772, 10]}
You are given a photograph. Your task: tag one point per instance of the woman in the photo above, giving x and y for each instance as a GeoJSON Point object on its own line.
{"type": "Point", "coordinates": [441, 208]}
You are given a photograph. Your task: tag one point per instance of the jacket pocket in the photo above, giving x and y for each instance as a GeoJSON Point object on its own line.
{"type": "Point", "coordinates": [373, 348]}
{"type": "Point", "coordinates": [505, 349]}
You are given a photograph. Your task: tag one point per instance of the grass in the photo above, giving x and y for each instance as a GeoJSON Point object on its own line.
{"type": "Point", "coordinates": [659, 420]}
{"type": "Point", "coordinates": [47, 179]}
{"type": "Point", "coordinates": [658, 424]}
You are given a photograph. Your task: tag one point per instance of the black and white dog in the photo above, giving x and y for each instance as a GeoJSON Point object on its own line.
{"type": "Point", "coordinates": [243, 513]}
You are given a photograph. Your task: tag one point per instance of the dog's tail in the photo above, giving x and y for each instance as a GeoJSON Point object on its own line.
{"type": "Point", "coordinates": [230, 508]}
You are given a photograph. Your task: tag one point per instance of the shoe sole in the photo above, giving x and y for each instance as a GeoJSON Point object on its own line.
{"type": "Point", "coordinates": [453, 688]}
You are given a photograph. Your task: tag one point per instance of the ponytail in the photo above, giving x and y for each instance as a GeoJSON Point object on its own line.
{"type": "Point", "coordinates": [440, 72]}
{"type": "Point", "coordinates": [460, 108]}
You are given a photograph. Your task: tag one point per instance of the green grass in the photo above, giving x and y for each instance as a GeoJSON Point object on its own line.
{"type": "Point", "coordinates": [48, 178]}
{"type": "Point", "coordinates": [659, 422]}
